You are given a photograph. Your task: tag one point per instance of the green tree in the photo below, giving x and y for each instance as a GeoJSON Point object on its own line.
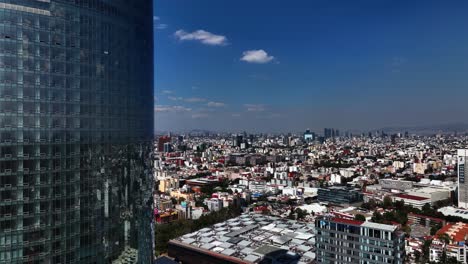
{"type": "Point", "coordinates": [360, 217]}
{"type": "Point", "coordinates": [427, 210]}
{"type": "Point", "coordinates": [377, 217]}
{"type": "Point", "coordinates": [401, 217]}
{"type": "Point", "coordinates": [435, 228]}
{"type": "Point", "coordinates": [387, 202]}
{"type": "Point", "coordinates": [371, 205]}
{"type": "Point", "coordinates": [417, 256]}
{"type": "Point", "coordinates": [301, 214]}
{"type": "Point", "coordinates": [452, 260]}
{"type": "Point", "coordinates": [208, 190]}
{"type": "Point", "coordinates": [425, 250]}
{"type": "Point", "coordinates": [443, 257]}
{"type": "Point", "coordinates": [445, 237]}
{"type": "Point", "coordinates": [389, 216]}
{"type": "Point", "coordinates": [406, 229]}
{"type": "Point", "coordinates": [399, 205]}
{"type": "Point", "coordinates": [291, 214]}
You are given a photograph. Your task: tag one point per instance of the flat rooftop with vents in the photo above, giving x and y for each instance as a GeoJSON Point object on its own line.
{"type": "Point", "coordinates": [249, 238]}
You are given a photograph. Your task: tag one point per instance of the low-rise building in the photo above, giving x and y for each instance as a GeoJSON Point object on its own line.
{"type": "Point", "coordinates": [167, 184]}
{"type": "Point", "coordinates": [249, 238]}
{"type": "Point", "coordinates": [339, 195]}
{"type": "Point", "coordinates": [412, 200]}
{"type": "Point", "coordinates": [214, 204]}
{"type": "Point", "coordinates": [426, 221]}
{"type": "Point", "coordinates": [391, 184]}
{"type": "Point", "coordinates": [451, 238]}
{"type": "Point", "coordinates": [434, 194]}
{"type": "Point", "coordinates": [453, 211]}
{"type": "Point", "coordinates": [178, 194]}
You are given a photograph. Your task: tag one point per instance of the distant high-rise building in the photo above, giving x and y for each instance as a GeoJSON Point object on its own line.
{"type": "Point", "coordinates": [76, 124]}
{"type": "Point", "coordinates": [321, 139]}
{"type": "Point", "coordinates": [167, 147]}
{"type": "Point", "coordinates": [309, 136]}
{"type": "Point", "coordinates": [327, 133]}
{"type": "Point", "coordinates": [341, 240]}
{"type": "Point", "coordinates": [331, 133]}
{"type": "Point", "coordinates": [462, 181]}
{"type": "Point", "coordinates": [161, 141]}
{"type": "Point", "coordinates": [180, 139]}
{"type": "Point", "coordinates": [237, 140]}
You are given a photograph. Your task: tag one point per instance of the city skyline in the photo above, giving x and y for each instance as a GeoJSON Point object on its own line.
{"type": "Point", "coordinates": [265, 67]}
{"type": "Point", "coordinates": [233, 132]}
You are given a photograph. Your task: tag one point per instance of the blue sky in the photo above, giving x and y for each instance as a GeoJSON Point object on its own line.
{"type": "Point", "coordinates": [271, 65]}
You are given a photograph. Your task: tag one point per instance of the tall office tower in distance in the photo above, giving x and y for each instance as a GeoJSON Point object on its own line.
{"type": "Point", "coordinates": [349, 241]}
{"type": "Point", "coordinates": [76, 119]}
{"type": "Point", "coordinates": [462, 183]}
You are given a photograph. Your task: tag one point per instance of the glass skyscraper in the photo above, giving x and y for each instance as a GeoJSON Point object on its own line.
{"type": "Point", "coordinates": [76, 124]}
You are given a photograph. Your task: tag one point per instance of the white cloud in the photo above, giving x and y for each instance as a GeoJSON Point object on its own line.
{"type": "Point", "coordinates": [256, 56]}
{"type": "Point", "coordinates": [166, 92]}
{"type": "Point", "coordinates": [171, 109]}
{"type": "Point", "coordinates": [174, 98]}
{"type": "Point", "coordinates": [202, 36]}
{"type": "Point", "coordinates": [216, 104]}
{"type": "Point", "coordinates": [199, 115]}
{"type": "Point", "coordinates": [254, 107]}
{"type": "Point", "coordinates": [188, 100]}
{"type": "Point", "coordinates": [157, 23]}
{"type": "Point", "coordinates": [161, 26]}
{"type": "Point", "coordinates": [194, 100]}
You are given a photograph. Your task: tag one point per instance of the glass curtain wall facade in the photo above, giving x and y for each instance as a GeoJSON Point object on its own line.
{"type": "Point", "coordinates": [76, 124]}
{"type": "Point", "coordinates": [343, 241]}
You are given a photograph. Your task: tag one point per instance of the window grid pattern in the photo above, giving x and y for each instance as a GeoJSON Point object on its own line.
{"type": "Point", "coordinates": [76, 111]}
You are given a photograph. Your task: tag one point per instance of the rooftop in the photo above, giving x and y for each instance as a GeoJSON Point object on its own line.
{"type": "Point", "coordinates": [449, 210]}
{"type": "Point", "coordinates": [347, 221]}
{"type": "Point", "coordinates": [457, 232]}
{"type": "Point", "coordinates": [389, 228]}
{"type": "Point", "coordinates": [253, 237]}
{"type": "Point", "coordinates": [411, 197]}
